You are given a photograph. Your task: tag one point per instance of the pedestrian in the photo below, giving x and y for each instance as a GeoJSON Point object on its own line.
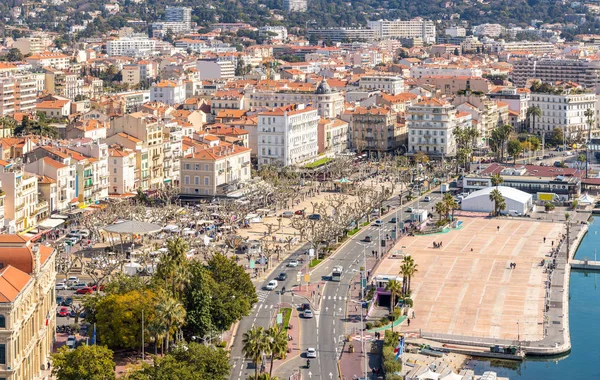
{"type": "Point", "coordinates": [553, 243]}
{"type": "Point", "coordinates": [408, 321]}
{"type": "Point", "coordinates": [48, 365]}
{"type": "Point", "coordinates": [498, 228]}
{"type": "Point", "coordinates": [544, 239]}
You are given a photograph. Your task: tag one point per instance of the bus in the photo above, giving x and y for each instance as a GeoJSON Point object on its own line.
{"type": "Point", "coordinates": [336, 275]}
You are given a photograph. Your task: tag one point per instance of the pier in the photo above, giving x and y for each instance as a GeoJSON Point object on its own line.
{"type": "Point", "coordinates": [585, 265]}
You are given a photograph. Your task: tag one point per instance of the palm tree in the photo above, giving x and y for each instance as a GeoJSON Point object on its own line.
{"type": "Point", "coordinates": [450, 203]}
{"type": "Point", "coordinates": [276, 344]}
{"type": "Point", "coordinates": [395, 289]}
{"type": "Point", "coordinates": [253, 346]}
{"type": "Point", "coordinates": [497, 180]}
{"type": "Point", "coordinates": [408, 269]}
{"type": "Point", "coordinates": [173, 314]}
{"type": "Point", "coordinates": [532, 113]}
{"type": "Point", "coordinates": [441, 208]}
{"type": "Point", "coordinates": [173, 266]}
{"type": "Point", "coordinates": [157, 329]}
{"type": "Point", "coordinates": [498, 199]}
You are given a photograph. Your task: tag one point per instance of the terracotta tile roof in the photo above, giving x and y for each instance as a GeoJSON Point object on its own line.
{"type": "Point", "coordinates": [42, 179]}
{"type": "Point", "coordinates": [218, 152]}
{"type": "Point", "coordinates": [45, 253]}
{"type": "Point", "coordinates": [53, 163]}
{"type": "Point", "coordinates": [280, 111]}
{"type": "Point", "coordinates": [129, 137]}
{"type": "Point", "coordinates": [12, 282]}
{"type": "Point", "coordinates": [52, 104]}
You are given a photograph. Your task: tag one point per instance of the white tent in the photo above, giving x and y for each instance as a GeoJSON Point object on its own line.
{"type": "Point", "coordinates": [451, 376]}
{"type": "Point", "coordinates": [429, 375]}
{"type": "Point", "coordinates": [479, 201]}
{"type": "Point", "coordinates": [585, 199]}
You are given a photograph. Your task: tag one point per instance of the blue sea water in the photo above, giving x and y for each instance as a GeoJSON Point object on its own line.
{"type": "Point", "coordinates": [583, 362]}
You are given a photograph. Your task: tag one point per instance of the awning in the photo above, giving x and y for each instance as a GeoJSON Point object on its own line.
{"type": "Point", "coordinates": [51, 223]}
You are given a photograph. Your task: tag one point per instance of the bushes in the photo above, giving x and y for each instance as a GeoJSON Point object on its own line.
{"type": "Point", "coordinates": [369, 325]}
{"type": "Point", "coordinates": [390, 365]}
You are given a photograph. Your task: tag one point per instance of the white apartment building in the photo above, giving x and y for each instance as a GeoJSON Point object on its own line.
{"type": "Point", "coordinates": [344, 34]}
{"type": "Point", "coordinates": [415, 28]}
{"type": "Point", "coordinates": [160, 28]}
{"type": "Point", "coordinates": [431, 125]}
{"type": "Point", "coordinates": [281, 32]}
{"type": "Point", "coordinates": [178, 14]}
{"type": "Point", "coordinates": [444, 70]}
{"type": "Point", "coordinates": [456, 31]}
{"type": "Point", "coordinates": [581, 71]}
{"type": "Point", "coordinates": [329, 103]}
{"type": "Point", "coordinates": [7, 96]}
{"type": "Point", "coordinates": [534, 47]}
{"type": "Point", "coordinates": [295, 5]}
{"type": "Point", "coordinates": [63, 173]}
{"type": "Point", "coordinates": [517, 99]}
{"type": "Point", "coordinates": [121, 168]}
{"type": "Point", "coordinates": [94, 167]}
{"type": "Point", "coordinates": [392, 85]}
{"type": "Point", "coordinates": [21, 204]}
{"type": "Point", "coordinates": [173, 151]}
{"type": "Point", "coordinates": [287, 135]}
{"type": "Point", "coordinates": [565, 111]}
{"type": "Point", "coordinates": [169, 92]}
{"type": "Point", "coordinates": [333, 136]}
{"type": "Point", "coordinates": [132, 46]}
{"type": "Point", "coordinates": [216, 170]}
{"type": "Point", "coordinates": [215, 69]}
{"type": "Point", "coordinates": [32, 45]}
{"type": "Point", "coordinates": [57, 61]}
{"type": "Point", "coordinates": [490, 30]}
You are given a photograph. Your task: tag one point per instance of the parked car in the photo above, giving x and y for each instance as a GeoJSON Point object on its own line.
{"type": "Point", "coordinates": [410, 209]}
{"type": "Point", "coordinates": [427, 198]}
{"type": "Point", "coordinates": [305, 306]}
{"type": "Point", "coordinates": [293, 263]}
{"type": "Point", "coordinates": [287, 214]}
{"type": "Point", "coordinates": [62, 311]}
{"type": "Point", "coordinates": [59, 300]}
{"type": "Point", "coordinates": [282, 276]}
{"type": "Point", "coordinates": [74, 234]}
{"type": "Point", "coordinates": [393, 220]}
{"type": "Point", "coordinates": [84, 233]}
{"type": "Point", "coordinates": [378, 223]}
{"type": "Point", "coordinates": [71, 341]}
{"type": "Point", "coordinates": [368, 239]}
{"type": "Point", "coordinates": [299, 212]}
{"type": "Point", "coordinates": [78, 286]}
{"type": "Point", "coordinates": [95, 287]}
{"type": "Point", "coordinates": [72, 280]}
{"type": "Point", "coordinates": [308, 313]}
{"type": "Point", "coordinates": [311, 352]}
{"type": "Point", "coordinates": [272, 285]}
{"type": "Point", "coordinates": [86, 290]}
{"type": "Point", "coordinates": [60, 286]}
{"type": "Point", "coordinates": [67, 301]}
{"type": "Point", "coordinates": [314, 217]}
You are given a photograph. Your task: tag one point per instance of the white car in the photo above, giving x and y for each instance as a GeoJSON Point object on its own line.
{"type": "Point", "coordinates": [427, 199]}
{"type": "Point", "coordinates": [378, 223]}
{"type": "Point", "coordinates": [311, 353]}
{"type": "Point", "coordinates": [308, 313]}
{"type": "Point", "coordinates": [61, 286]}
{"type": "Point", "coordinates": [410, 209]}
{"type": "Point", "coordinates": [272, 285]}
{"type": "Point", "coordinates": [71, 340]}
{"type": "Point", "coordinates": [293, 263]}
{"type": "Point", "coordinates": [72, 280]}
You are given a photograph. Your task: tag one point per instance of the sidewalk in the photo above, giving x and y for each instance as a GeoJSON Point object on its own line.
{"type": "Point", "coordinates": [311, 293]}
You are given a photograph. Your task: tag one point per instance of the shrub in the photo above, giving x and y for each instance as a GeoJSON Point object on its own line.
{"type": "Point", "coordinates": [369, 325]}
{"type": "Point", "coordinates": [384, 320]}
{"type": "Point", "coordinates": [377, 324]}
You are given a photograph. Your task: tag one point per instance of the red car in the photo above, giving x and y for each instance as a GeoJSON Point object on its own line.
{"type": "Point", "coordinates": [299, 212]}
{"type": "Point", "coordinates": [95, 287]}
{"type": "Point", "coordinates": [63, 312]}
{"type": "Point", "coordinates": [85, 290]}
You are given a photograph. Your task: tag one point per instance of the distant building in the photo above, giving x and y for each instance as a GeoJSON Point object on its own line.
{"type": "Point", "coordinates": [564, 111]}
{"type": "Point", "coordinates": [343, 34]}
{"type": "Point", "coordinates": [456, 31]}
{"type": "Point", "coordinates": [280, 32]}
{"type": "Point", "coordinates": [132, 46]}
{"type": "Point", "coordinates": [295, 5]}
{"type": "Point", "coordinates": [417, 27]}
{"type": "Point", "coordinates": [390, 84]}
{"type": "Point", "coordinates": [549, 70]}
{"type": "Point", "coordinates": [179, 14]}
{"type": "Point", "coordinates": [169, 92]}
{"type": "Point", "coordinates": [373, 129]}
{"type": "Point", "coordinates": [211, 69]}
{"type": "Point", "coordinates": [332, 136]}
{"type": "Point", "coordinates": [490, 30]}
{"type": "Point", "coordinates": [47, 59]}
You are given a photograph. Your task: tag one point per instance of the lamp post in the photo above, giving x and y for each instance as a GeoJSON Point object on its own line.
{"type": "Point", "coordinates": [362, 340]}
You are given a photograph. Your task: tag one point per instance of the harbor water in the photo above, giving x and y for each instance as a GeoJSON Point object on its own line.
{"type": "Point", "coordinates": [583, 362]}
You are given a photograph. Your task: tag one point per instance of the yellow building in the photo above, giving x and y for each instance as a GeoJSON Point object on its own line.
{"type": "Point", "coordinates": [27, 307]}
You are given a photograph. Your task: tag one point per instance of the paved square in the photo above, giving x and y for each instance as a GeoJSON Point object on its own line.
{"type": "Point", "coordinates": [467, 287]}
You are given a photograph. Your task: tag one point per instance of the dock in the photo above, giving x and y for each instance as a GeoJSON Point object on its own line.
{"type": "Point", "coordinates": [585, 265]}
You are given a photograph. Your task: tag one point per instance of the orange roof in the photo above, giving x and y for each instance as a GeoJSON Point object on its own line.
{"type": "Point", "coordinates": [52, 104]}
{"type": "Point", "coordinates": [12, 282]}
{"type": "Point", "coordinates": [129, 137]}
{"type": "Point", "coordinates": [45, 179]}
{"type": "Point", "coordinates": [218, 152]}
{"type": "Point", "coordinates": [53, 163]}
{"type": "Point", "coordinates": [289, 110]}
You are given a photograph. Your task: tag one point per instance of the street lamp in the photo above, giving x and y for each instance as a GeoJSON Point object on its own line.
{"type": "Point", "coordinates": [362, 340]}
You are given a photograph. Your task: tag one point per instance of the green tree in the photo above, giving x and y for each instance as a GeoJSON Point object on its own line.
{"type": "Point", "coordinates": [441, 209]}
{"type": "Point", "coordinates": [498, 139]}
{"type": "Point", "coordinates": [14, 55]}
{"type": "Point", "coordinates": [450, 203]}
{"type": "Point", "coordinates": [276, 344]}
{"type": "Point", "coordinates": [514, 148]}
{"type": "Point", "coordinates": [190, 361]}
{"type": "Point", "coordinates": [84, 363]}
{"type": "Point", "coordinates": [497, 180]}
{"type": "Point", "coordinates": [557, 137]}
{"type": "Point", "coordinates": [171, 311]}
{"type": "Point", "coordinates": [407, 269]}
{"type": "Point", "coordinates": [254, 346]}
{"type": "Point", "coordinates": [499, 201]}
{"type": "Point", "coordinates": [532, 113]}
{"type": "Point", "coordinates": [172, 269]}
{"type": "Point", "coordinates": [395, 289]}
{"type": "Point", "coordinates": [198, 297]}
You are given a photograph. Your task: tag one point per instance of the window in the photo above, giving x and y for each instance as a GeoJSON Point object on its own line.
{"type": "Point", "coordinates": [196, 180]}
{"type": "Point", "coordinates": [115, 180]}
{"type": "Point", "coordinates": [187, 179]}
{"type": "Point", "coordinates": [206, 167]}
{"type": "Point", "coordinates": [2, 321]}
{"type": "Point", "coordinates": [2, 354]}
{"type": "Point", "coordinates": [187, 166]}
{"type": "Point", "coordinates": [206, 181]}
{"type": "Point", "coordinates": [115, 170]}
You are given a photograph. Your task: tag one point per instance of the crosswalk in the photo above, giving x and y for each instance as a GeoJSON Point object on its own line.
{"type": "Point", "coordinates": [262, 295]}
{"type": "Point", "coordinates": [334, 298]}
{"type": "Point", "coordinates": [263, 306]}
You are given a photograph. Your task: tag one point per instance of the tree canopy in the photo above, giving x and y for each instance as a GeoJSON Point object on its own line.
{"type": "Point", "coordinates": [84, 363]}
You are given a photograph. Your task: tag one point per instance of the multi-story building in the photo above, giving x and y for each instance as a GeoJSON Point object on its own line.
{"type": "Point", "coordinates": [431, 124]}
{"type": "Point", "coordinates": [216, 170]}
{"type": "Point", "coordinates": [344, 34]}
{"type": "Point", "coordinates": [178, 14]}
{"type": "Point", "coordinates": [489, 30]}
{"type": "Point", "coordinates": [415, 28]}
{"type": "Point", "coordinates": [17, 94]}
{"type": "Point", "coordinates": [31, 45]}
{"type": "Point", "coordinates": [373, 129]}
{"type": "Point", "coordinates": [329, 103]}
{"type": "Point", "coordinates": [63, 83]}
{"type": "Point", "coordinates": [517, 100]}
{"type": "Point", "coordinates": [390, 84]}
{"type": "Point", "coordinates": [332, 137]}
{"type": "Point", "coordinates": [565, 111]}
{"type": "Point", "coordinates": [54, 108]}
{"type": "Point", "coordinates": [444, 70]}
{"type": "Point", "coordinates": [21, 204]}
{"type": "Point", "coordinates": [145, 128]}
{"type": "Point", "coordinates": [582, 72]}
{"type": "Point", "coordinates": [287, 135]}
{"type": "Point", "coordinates": [211, 69]}
{"type": "Point", "coordinates": [133, 46]}
{"type": "Point", "coordinates": [295, 5]}
{"type": "Point", "coordinates": [226, 100]}
{"type": "Point", "coordinates": [169, 92]}
{"type": "Point", "coordinates": [280, 32]}
{"type": "Point", "coordinates": [172, 149]}
{"type": "Point", "coordinates": [57, 61]}
{"type": "Point", "coordinates": [63, 174]}
{"type": "Point", "coordinates": [121, 167]}
{"type": "Point", "coordinates": [27, 308]}
{"type": "Point", "coordinates": [532, 47]}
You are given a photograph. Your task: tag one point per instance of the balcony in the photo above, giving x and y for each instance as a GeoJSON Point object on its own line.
{"type": "Point", "coordinates": [88, 183]}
